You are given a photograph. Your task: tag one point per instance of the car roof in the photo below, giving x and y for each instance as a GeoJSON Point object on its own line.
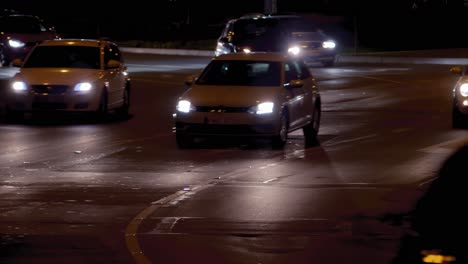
{"type": "Point", "coordinates": [256, 56]}
{"type": "Point", "coordinates": [74, 42]}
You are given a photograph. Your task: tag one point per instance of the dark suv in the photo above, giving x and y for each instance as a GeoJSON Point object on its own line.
{"type": "Point", "coordinates": [277, 33]}
{"type": "Point", "coordinates": [19, 33]}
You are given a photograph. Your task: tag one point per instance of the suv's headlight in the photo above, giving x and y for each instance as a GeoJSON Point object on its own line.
{"type": "Point", "coordinates": [184, 106]}
{"type": "Point", "coordinates": [263, 108]}
{"type": "Point", "coordinates": [295, 50]}
{"type": "Point", "coordinates": [221, 49]}
{"type": "Point", "coordinates": [464, 89]}
{"type": "Point", "coordinates": [19, 86]}
{"type": "Point", "coordinates": [329, 44]}
{"type": "Point", "coordinates": [14, 43]}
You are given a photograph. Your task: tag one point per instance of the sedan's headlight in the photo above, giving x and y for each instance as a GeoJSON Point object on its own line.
{"type": "Point", "coordinates": [263, 108]}
{"type": "Point", "coordinates": [329, 44]}
{"type": "Point", "coordinates": [464, 89]}
{"type": "Point", "coordinates": [19, 86]}
{"type": "Point", "coordinates": [184, 106]}
{"type": "Point", "coordinates": [83, 87]}
{"type": "Point", "coordinates": [294, 50]}
{"type": "Point", "coordinates": [14, 43]}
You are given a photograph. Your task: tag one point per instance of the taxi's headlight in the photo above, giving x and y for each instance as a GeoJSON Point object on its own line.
{"type": "Point", "coordinates": [14, 43]}
{"type": "Point", "coordinates": [263, 108]}
{"type": "Point", "coordinates": [246, 50]}
{"type": "Point", "coordinates": [329, 44]}
{"type": "Point", "coordinates": [83, 87]}
{"type": "Point", "coordinates": [294, 50]}
{"type": "Point", "coordinates": [19, 86]}
{"type": "Point", "coordinates": [464, 89]}
{"type": "Point", "coordinates": [184, 106]}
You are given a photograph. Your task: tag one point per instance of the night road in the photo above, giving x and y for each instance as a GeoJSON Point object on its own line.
{"type": "Point", "coordinates": [76, 190]}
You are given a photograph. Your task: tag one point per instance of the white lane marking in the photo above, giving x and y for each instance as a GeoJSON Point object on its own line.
{"type": "Point", "coordinates": [270, 180]}
{"type": "Point", "coordinates": [328, 143]}
{"type": "Point", "coordinates": [446, 147]}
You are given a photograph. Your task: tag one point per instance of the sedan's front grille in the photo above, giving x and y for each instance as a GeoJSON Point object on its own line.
{"type": "Point", "coordinates": [221, 109]}
{"type": "Point", "coordinates": [49, 89]}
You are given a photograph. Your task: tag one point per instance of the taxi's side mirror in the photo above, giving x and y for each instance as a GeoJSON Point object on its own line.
{"type": "Point", "coordinates": [17, 62]}
{"type": "Point", "coordinates": [457, 70]}
{"type": "Point", "coordinates": [190, 80]}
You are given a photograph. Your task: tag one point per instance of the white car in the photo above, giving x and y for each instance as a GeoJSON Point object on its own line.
{"type": "Point", "coordinates": [460, 98]}
{"type": "Point", "coordinates": [70, 75]}
{"type": "Point", "coordinates": [259, 94]}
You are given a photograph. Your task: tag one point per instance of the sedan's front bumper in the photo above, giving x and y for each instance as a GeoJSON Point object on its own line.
{"type": "Point", "coordinates": [226, 124]}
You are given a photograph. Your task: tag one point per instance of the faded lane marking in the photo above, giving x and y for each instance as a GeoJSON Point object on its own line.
{"type": "Point", "coordinates": [401, 130]}
{"type": "Point", "coordinates": [155, 81]}
{"type": "Point", "coordinates": [446, 147]}
{"type": "Point", "coordinates": [328, 143]}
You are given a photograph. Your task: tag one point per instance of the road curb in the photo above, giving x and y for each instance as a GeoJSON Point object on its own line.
{"type": "Point", "coordinates": [182, 52]}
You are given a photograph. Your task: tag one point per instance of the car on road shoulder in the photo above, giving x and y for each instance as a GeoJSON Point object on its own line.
{"type": "Point", "coordinates": [259, 94]}
{"type": "Point", "coordinates": [277, 33]}
{"type": "Point", "coordinates": [70, 75]}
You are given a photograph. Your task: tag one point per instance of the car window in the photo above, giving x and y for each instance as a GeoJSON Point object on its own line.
{"type": "Point", "coordinates": [290, 70]}
{"type": "Point", "coordinates": [241, 73]}
{"type": "Point", "coordinates": [63, 57]}
{"type": "Point", "coordinates": [112, 52]}
{"type": "Point", "coordinates": [21, 24]}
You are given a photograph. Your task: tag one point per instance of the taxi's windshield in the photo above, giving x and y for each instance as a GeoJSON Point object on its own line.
{"type": "Point", "coordinates": [241, 73]}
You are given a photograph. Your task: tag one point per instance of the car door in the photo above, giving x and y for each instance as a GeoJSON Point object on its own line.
{"type": "Point", "coordinates": [310, 90]}
{"type": "Point", "coordinates": [115, 76]}
{"type": "Point", "coordinates": [297, 95]}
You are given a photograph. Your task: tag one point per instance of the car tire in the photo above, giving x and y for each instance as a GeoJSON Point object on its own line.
{"type": "Point", "coordinates": [311, 130]}
{"type": "Point", "coordinates": [3, 60]}
{"type": "Point", "coordinates": [459, 120]}
{"type": "Point", "coordinates": [184, 141]}
{"type": "Point", "coordinates": [279, 141]}
{"type": "Point", "coordinates": [12, 116]}
{"type": "Point", "coordinates": [123, 110]}
{"type": "Point", "coordinates": [329, 63]}
{"type": "Point", "coordinates": [102, 110]}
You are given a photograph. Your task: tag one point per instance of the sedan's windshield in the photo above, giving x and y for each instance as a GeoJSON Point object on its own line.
{"type": "Point", "coordinates": [64, 57]}
{"type": "Point", "coordinates": [241, 73]}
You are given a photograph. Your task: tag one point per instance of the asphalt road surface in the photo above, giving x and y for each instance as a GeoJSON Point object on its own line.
{"type": "Point", "coordinates": [77, 190]}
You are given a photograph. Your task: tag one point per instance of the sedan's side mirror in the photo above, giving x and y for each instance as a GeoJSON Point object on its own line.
{"type": "Point", "coordinates": [457, 70]}
{"type": "Point", "coordinates": [295, 84]}
{"type": "Point", "coordinates": [17, 62]}
{"type": "Point", "coordinates": [113, 64]}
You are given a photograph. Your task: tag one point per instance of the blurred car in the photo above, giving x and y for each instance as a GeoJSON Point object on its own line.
{"type": "Point", "coordinates": [277, 33]}
{"type": "Point", "coordinates": [257, 94]}
{"type": "Point", "coordinates": [460, 98]}
{"type": "Point", "coordinates": [19, 33]}
{"type": "Point", "coordinates": [72, 75]}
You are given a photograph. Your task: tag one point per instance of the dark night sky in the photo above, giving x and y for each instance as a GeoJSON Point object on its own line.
{"type": "Point", "coordinates": [380, 22]}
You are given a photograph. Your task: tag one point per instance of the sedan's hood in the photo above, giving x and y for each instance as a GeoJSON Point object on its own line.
{"type": "Point", "coordinates": [231, 96]}
{"type": "Point", "coordinates": [57, 76]}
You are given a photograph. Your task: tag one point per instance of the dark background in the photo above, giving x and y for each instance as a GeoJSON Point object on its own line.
{"type": "Point", "coordinates": [384, 24]}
